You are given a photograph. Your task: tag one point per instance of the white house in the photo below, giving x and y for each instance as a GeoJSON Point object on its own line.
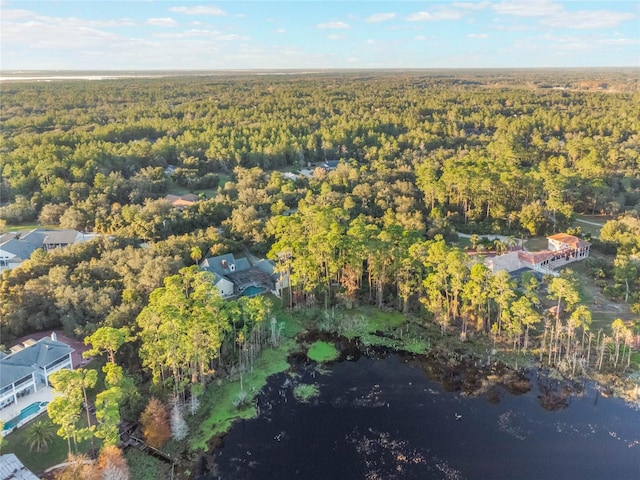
{"type": "Point", "coordinates": [561, 249]}
{"type": "Point", "coordinates": [233, 276]}
{"type": "Point", "coordinates": [221, 267]}
{"type": "Point", "coordinates": [29, 365]}
{"type": "Point", "coordinates": [13, 252]}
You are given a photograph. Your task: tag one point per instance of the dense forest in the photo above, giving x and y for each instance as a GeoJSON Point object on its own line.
{"type": "Point", "coordinates": [422, 156]}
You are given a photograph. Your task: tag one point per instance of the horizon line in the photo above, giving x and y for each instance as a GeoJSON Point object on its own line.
{"type": "Point", "coordinates": [323, 69]}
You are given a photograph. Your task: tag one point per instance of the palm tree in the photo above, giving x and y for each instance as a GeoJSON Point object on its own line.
{"type": "Point", "coordinates": [510, 242]}
{"type": "Point", "coordinates": [196, 254]}
{"type": "Point", "coordinates": [39, 434]}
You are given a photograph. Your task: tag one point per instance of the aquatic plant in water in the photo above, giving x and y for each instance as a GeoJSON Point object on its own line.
{"type": "Point", "coordinates": [305, 392]}
{"type": "Point", "coordinates": [322, 352]}
{"type": "Point", "coordinates": [416, 345]}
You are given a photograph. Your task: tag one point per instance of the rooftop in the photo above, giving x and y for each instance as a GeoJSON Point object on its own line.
{"type": "Point", "coordinates": [567, 239]}
{"type": "Point", "coordinates": [535, 257]}
{"type": "Point", "coordinates": [20, 249]}
{"type": "Point", "coordinates": [11, 468]}
{"type": "Point", "coordinates": [22, 363]}
{"type": "Point", "coordinates": [57, 237]}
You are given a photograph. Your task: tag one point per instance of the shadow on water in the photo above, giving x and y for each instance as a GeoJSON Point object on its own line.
{"type": "Point", "coordinates": [382, 415]}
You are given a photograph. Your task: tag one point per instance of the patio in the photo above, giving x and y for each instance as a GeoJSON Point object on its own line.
{"type": "Point", "coordinates": [44, 394]}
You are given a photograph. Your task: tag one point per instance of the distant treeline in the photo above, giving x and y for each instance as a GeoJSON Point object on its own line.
{"type": "Point", "coordinates": [487, 147]}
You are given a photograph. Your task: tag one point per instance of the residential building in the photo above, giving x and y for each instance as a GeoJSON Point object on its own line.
{"type": "Point", "coordinates": [329, 165]}
{"type": "Point", "coordinates": [11, 468]}
{"type": "Point", "coordinates": [16, 247]}
{"type": "Point", "coordinates": [561, 249]}
{"type": "Point", "coordinates": [237, 276]}
{"type": "Point", "coordinates": [13, 251]}
{"type": "Point", "coordinates": [30, 365]}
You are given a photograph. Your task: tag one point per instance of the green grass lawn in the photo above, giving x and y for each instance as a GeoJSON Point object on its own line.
{"type": "Point", "coordinates": [29, 226]}
{"type": "Point", "coordinates": [58, 447]}
{"type": "Point", "coordinates": [463, 242]}
{"type": "Point", "coordinates": [56, 452]}
{"type": "Point", "coordinates": [600, 219]}
{"type": "Point", "coordinates": [536, 243]}
{"type": "Point", "coordinates": [593, 230]}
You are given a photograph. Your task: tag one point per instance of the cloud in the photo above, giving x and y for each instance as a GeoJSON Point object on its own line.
{"type": "Point", "coordinates": [58, 36]}
{"type": "Point", "coordinates": [584, 19]}
{"type": "Point", "coordinates": [381, 17]}
{"type": "Point", "coordinates": [199, 10]}
{"type": "Point", "coordinates": [471, 5]}
{"type": "Point", "coordinates": [584, 43]}
{"type": "Point", "coordinates": [336, 36]}
{"type": "Point", "coordinates": [117, 23]}
{"type": "Point", "coordinates": [11, 18]}
{"type": "Point", "coordinates": [555, 15]}
{"type": "Point", "coordinates": [200, 33]}
{"type": "Point", "coordinates": [620, 41]}
{"type": "Point", "coordinates": [16, 13]}
{"type": "Point", "coordinates": [528, 8]}
{"type": "Point", "coordinates": [280, 30]}
{"type": "Point", "coordinates": [433, 17]}
{"type": "Point", "coordinates": [333, 25]}
{"type": "Point", "coordinates": [370, 41]}
{"type": "Point", "coordinates": [478, 35]}
{"type": "Point", "coordinates": [162, 22]}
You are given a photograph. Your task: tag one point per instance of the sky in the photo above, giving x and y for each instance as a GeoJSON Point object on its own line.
{"type": "Point", "coordinates": [306, 34]}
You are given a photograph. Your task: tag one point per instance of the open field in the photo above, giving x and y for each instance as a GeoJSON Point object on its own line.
{"type": "Point", "coordinates": [29, 226]}
{"type": "Point", "coordinates": [590, 224]}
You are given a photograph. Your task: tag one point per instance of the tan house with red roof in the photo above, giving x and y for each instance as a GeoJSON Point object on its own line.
{"type": "Point", "coordinates": [562, 249]}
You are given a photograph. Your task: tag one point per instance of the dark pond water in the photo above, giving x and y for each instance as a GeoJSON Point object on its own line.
{"type": "Point", "coordinates": [384, 419]}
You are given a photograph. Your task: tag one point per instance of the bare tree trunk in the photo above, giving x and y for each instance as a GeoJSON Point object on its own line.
{"type": "Point", "coordinates": [589, 348]}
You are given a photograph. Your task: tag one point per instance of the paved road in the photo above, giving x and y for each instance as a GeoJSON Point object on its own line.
{"type": "Point", "coordinates": [589, 223]}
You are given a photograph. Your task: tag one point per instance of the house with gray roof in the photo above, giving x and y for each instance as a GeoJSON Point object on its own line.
{"type": "Point", "coordinates": [235, 276]}
{"type": "Point", "coordinates": [13, 252]}
{"type": "Point", "coordinates": [60, 238]}
{"type": "Point", "coordinates": [11, 468]}
{"type": "Point", "coordinates": [16, 247]}
{"type": "Point", "coordinates": [29, 365]}
{"type": "Point", "coordinates": [330, 165]}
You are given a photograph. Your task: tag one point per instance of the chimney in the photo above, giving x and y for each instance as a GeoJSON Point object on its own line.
{"type": "Point", "coordinates": [224, 264]}
{"type": "Point", "coordinates": [54, 337]}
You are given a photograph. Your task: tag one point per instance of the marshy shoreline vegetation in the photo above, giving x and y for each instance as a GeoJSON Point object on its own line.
{"type": "Point", "coordinates": [369, 247]}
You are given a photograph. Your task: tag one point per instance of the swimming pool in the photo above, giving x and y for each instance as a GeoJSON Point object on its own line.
{"type": "Point", "coordinates": [25, 413]}
{"type": "Point", "coordinates": [252, 291]}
